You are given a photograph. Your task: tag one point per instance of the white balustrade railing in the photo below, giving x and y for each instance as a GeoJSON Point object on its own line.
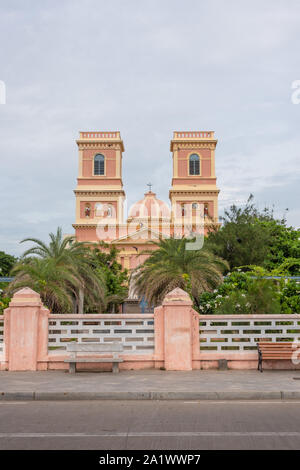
{"type": "Point", "coordinates": [242, 332]}
{"type": "Point", "coordinates": [134, 331]}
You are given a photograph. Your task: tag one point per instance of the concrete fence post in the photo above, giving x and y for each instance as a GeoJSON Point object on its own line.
{"type": "Point", "coordinates": [174, 341]}
{"type": "Point", "coordinates": [26, 332]}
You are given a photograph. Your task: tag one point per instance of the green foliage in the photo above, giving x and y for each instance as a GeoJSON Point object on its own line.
{"type": "Point", "coordinates": [104, 261]}
{"type": "Point", "coordinates": [6, 263]}
{"type": "Point", "coordinates": [171, 266]}
{"type": "Point", "coordinates": [4, 301]}
{"type": "Point", "coordinates": [59, 271]}
{"type": "Point", "coordinates": [284, 248]}
{"type": "Point", "coordinates": [242, 239]}
{"type": "Point", "coordinates": [263, 297]}
{"type": "Point", "coordinates": [252, 237]}
{"type": "Point", "coordinates": [250, 293]}
{"type": "Point", "coordinates": [236, 302]}
{"type": "Point", "coordinates": [260, 297]}
{"type": "Point", "coordinates": [238, 282]}
{"type": "Point", "coordinates": [290, 296]}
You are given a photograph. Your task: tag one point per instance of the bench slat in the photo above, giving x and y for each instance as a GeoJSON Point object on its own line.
{"type": "Point", "coordinates": [279, 351]}
{"type": "Point", "coordinates": [276, 356]}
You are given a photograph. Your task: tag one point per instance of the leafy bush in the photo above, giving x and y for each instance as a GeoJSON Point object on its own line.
{"type": "Point", "coordinates": [290, 297]}
{"type": "Point", "coordinates": [243, 293]}
{"type": "Point", "coordinates": [4, 301]}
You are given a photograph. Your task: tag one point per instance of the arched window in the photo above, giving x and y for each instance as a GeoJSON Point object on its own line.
{"type": "Point", "coordinates": [99, 164]}
{"type": "Point", "coordinates": [194, 164]}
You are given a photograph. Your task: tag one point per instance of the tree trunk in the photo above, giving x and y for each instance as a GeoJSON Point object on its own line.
{"type": "Point", "coordinates": [80, 302]}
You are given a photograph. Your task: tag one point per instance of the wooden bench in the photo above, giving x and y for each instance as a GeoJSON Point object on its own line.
{"type": "Point", "coordinates": [273, 351]}
{"type": "Point", "coordinates": [93, 349]}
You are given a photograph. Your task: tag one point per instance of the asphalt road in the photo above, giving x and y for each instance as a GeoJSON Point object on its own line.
{"type": "Point", "coordinates": [150, 425]}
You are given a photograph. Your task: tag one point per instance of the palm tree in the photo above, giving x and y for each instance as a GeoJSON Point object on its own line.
{"type": "Point", "coordinates": [171, 265]}
{"type": "Point", "coordinates": [54, 283]}
{"type": "Point", "coordinates": [60, 272]}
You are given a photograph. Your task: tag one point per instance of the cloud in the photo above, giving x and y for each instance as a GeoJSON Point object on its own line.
{"type": "Point", "coordinates": [146, 69]}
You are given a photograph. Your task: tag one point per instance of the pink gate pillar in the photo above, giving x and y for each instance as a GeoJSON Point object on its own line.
{"type": "Point", "coordinates": [174, 331]}
{"type": "Point", "coordinates": [26, 332]}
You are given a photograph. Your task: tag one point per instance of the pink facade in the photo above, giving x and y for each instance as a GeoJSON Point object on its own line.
{"type": "Point", "coordinates": [102, 180]}
{"type": "Point", "coordinates": [188, 209]}
{"type": "Point", "coordinates": [88, 163]}
{"type": "Point", "coordinates": [183, 162]}
{"type": "Point", "coordinates": [197, 184]}
{"type": "Point", "coordinates": [195, 180]}
{"type": "Point", "coordinates": [93, 208]}
{"type": "Point", "coordinates": [176, 339]}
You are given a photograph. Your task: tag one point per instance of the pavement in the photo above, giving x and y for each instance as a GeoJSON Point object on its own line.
{"type": "Point", "coordinates": [151, 385]}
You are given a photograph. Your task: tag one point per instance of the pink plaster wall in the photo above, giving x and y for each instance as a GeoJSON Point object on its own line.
{"type": "Point", "coordinates": [24, 335]}
{"type": "Point", "coordinates": [94, 234]}
{"type": "Point", "coordinates": [176, 327]}
{"type": "Point", "coordinates": [88, 162]}
{"type": "Point", "coordinates": [92, 205]}
{"type": "Point", "coordinates": [188, 207]}
{"type": "Point", "coordinates": [183, 162]}
{"type": "Point", "coordinates": [206, 168]}
{"type": "Point", "coordinates": [137, 260]}
{"type": "Point", "coordinates": [99, 180]}
{"type": "Point", "coordinates": [194, 180]}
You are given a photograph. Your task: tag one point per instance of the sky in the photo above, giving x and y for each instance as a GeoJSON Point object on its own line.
{"type": "Point", "coordinates": [145, 68]}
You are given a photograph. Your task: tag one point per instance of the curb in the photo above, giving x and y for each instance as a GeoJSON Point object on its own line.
{"type": "Point", "coordinates": [205, 396]}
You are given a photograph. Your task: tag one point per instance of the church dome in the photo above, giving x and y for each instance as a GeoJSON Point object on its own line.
{"type": "Point", "coordinates": [149, 208]}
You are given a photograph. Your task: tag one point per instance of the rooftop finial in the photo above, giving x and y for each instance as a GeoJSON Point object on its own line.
{"type": "Point", "coordinates": [150, 186]}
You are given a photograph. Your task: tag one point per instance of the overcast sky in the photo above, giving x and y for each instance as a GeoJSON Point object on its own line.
{"type": "Point", "coordinates": [146, 68]}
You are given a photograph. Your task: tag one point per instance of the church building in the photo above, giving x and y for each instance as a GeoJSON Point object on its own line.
{"type": "Point", "coordinates": [100, 194]}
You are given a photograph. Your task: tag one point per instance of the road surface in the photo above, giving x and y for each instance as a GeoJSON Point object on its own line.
{"type": "Point", "coordinates": [151, 425]}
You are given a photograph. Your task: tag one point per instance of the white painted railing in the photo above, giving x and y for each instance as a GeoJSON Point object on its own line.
{"type": "Point", "coordinates": [242, 332]}
{"type": "Point", "coordinates": [134, 331]}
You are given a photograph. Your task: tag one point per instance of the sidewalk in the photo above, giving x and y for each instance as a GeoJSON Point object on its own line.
{"type": "Point", "coordinates": [151, 385]}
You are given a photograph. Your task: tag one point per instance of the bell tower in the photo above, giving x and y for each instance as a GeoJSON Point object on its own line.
{"type": "Point", "coordinates": [99, 192]}
{"type": "Point", "coordinates": [194, 179]}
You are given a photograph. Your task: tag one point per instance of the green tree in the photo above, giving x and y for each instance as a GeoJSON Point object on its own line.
{"type": "Point", "coordinates": [6, 263]}
{"type": "Point", "coordinates": [289, 296]}
{"type": "Point", "coordinates": [171, 265]}
{"type": "Point", "coordinates": [252, 237]}
{"type": "Point", "coordinates": [104, 260]}
{"type": "Point", "coordinates": [284, 247]}
{"type": "Point", "coordinates": [61, 272]}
